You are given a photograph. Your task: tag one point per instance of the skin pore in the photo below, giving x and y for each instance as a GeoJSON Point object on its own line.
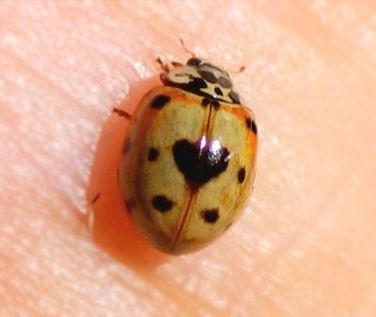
{"type": "Point", "coordinates": [305, 245]}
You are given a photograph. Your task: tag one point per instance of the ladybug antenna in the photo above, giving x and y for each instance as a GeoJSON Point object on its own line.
{"type": "Point", "coordinates": [185, 48]}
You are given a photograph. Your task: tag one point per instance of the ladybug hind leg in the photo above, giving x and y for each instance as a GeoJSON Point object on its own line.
{"type": "Point", "coordinates": [122, 113]}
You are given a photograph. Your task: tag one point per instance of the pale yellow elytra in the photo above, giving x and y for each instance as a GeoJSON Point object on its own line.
{"type": "Point", "coordinates": [189, 160]}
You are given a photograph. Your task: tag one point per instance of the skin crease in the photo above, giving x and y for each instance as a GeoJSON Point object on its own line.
{"type": "Point", "coordinates": [306, 243]}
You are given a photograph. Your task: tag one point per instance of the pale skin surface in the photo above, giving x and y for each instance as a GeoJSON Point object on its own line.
{"type": "Point", "coordinates": [306, 244]}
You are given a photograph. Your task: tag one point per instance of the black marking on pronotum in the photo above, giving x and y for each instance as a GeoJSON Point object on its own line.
{"type": "Point", "coordinates": [208, 76]}
{"type": "Point", "coordinates": [196, 84]}
{"type": "Point", "coordinates": [160, 101]}
{"type": "Point", "coordinates": [200, 162]}
{"type": "Point", "coordinates": [162, 203]}
{"type": "Point", "coordinates": [224, 82]}
{"type": "Point", "coordinates": [234, 97]}
{"type": "Point", "coordinates": [218, 91]}
{"type": "Point", "coordinates": [152, 154]}
{"type": "Point", "coordinates": [241, 175]}
{"type": "Point", "coordinates": [210, 215]}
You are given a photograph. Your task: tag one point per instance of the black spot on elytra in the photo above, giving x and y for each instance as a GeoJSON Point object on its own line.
{"type": "Point", "coordinates": [251, 124]}
{"type": "Point", "coordinates": [161, 203]}
{"type": "Point", "coordinates": [241, 175]}
{"type": "Point", "coordinates": [254, 127]}
{"type": "Point", "coordinates": [208, 76]}
{"type": "Point", "coordinates": [248, 122]}
{"type": "Point", "coordinates": [210, 215]}
{"type": "Point", "coordinates": [152, 154]}
{"type": "Point", "coordinates": [224, 82]}
{"type": "Point", "coordinates": [194, 61]}
{"type": "Point", "coordinates": [160, 101]}
{"type": "Point", "coordinates": [218, 91]}
{"type": "Point", "coordinates": [234, 97]}
{"type": "Point", "coordinates": [200, 162]}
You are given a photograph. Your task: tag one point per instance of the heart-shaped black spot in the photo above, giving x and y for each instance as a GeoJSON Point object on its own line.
{"type": "Point", "coordinates": [200, 162]}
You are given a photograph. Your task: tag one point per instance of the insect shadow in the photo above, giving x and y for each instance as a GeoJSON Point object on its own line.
{"type": "Point", "coordinates": [108, 219]}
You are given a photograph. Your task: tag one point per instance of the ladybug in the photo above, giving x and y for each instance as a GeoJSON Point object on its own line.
{"type": "Point", "coordinates": [188, 162]}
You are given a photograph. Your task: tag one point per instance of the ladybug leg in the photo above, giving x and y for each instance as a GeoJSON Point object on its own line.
{"type": "Point", "coordinates": [163, 66]}
{"type": "Point", "coordinates": [176, 64]}
{"type": "Point", "coordinates": [165, 69]}
{"type": "Point", "coordinates": [122, 113]}
{"type": "Point", "coordinates": [95, 198]}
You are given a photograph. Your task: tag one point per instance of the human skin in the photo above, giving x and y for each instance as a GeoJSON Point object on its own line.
{"type": "Point", "coordinates": [306, 244]}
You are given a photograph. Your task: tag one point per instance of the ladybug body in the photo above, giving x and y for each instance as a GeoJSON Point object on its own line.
{"type": "Point", "coordinates": [189, 161]}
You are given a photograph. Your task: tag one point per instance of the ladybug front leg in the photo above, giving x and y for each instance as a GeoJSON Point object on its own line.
{"type": "Point", "coordinates": [95, 198]}
{"type": "Point", "coordinates": [164, 66]}
{"type": "Point", "coordinates": [164, 70]}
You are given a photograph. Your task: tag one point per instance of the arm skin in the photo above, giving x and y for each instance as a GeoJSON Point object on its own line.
{"type": "Point", "coordinates": [306, 245]}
